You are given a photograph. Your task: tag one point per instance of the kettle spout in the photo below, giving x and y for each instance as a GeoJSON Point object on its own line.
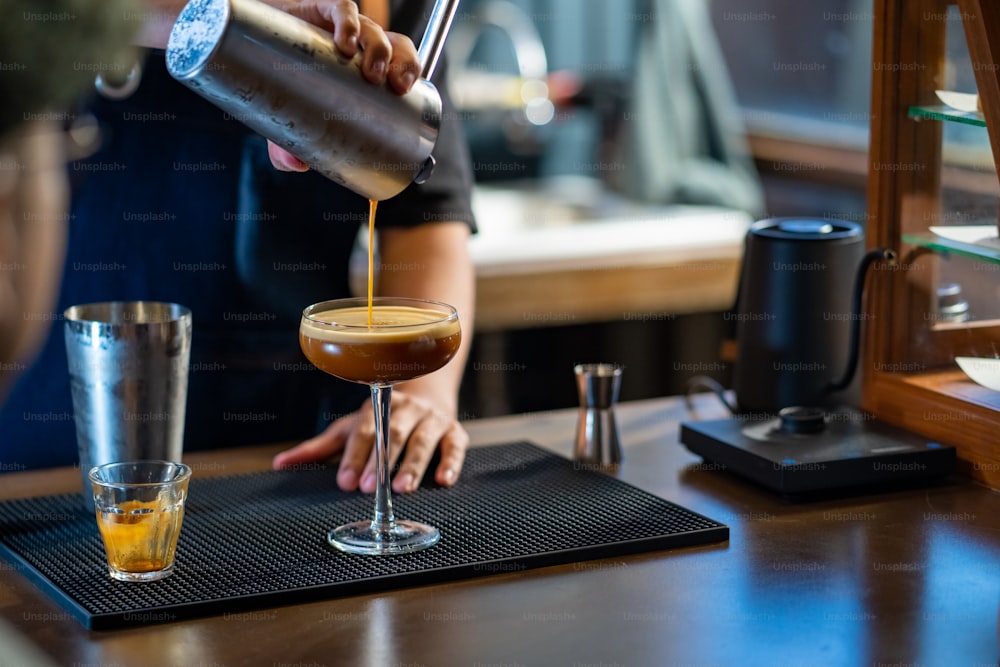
{"type": "Point", "coordinates": [872, 256]}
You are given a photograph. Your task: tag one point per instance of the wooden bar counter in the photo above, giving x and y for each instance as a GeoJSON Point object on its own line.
{"type": "Point", "coordinates": [537, 266]}
{"type": "Point", "coordinates": [899, 578]}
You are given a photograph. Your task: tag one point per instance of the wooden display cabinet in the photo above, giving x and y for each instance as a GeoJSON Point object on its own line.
{"type": "Point", "coordinates": [909, 374]}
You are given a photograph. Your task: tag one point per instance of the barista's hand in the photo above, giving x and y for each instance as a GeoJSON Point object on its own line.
{"type": "Point", "coordinates": [385, 56]}
{"type": "Point", "coordinates": [422, 426]}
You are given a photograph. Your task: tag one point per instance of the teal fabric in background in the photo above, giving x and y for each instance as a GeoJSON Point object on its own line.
{"type": "Point", "coordinates": [684, 138]}
{"type": "Point", "coordinates": [661, 123]}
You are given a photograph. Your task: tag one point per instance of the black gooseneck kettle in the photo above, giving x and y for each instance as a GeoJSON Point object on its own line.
{"type": "Point", "coordinates": [798, 313]}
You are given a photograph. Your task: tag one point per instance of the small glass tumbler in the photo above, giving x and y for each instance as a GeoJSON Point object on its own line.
{"type": "Point", "coordinates": [140, 509]}
{"type": "Point", "coordinates": [597, 440]}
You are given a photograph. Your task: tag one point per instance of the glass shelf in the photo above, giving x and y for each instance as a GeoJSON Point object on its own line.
{"type": "Point", "coordinates": [986, 252]}
{"type": "Point", "coordinates": [946, 113]}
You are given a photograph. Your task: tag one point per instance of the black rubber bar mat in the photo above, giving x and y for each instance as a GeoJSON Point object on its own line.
{"type": "Point", "coordinates": [258, 540]}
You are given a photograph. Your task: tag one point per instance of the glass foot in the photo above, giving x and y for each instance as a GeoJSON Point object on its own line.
{"type": "Point", "coordinates": [155, 575]}
{"type": "Point", "coordinates": [361, 537]}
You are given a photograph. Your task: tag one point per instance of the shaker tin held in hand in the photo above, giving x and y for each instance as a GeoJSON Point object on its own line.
{"type": "Point", "coordinates": [285, 79]}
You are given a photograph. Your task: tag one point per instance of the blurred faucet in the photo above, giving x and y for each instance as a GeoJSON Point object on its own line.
{"type": "Point", "coordinates": [509, 115]}
{"type": "Point", "coordinates": [524, 96]}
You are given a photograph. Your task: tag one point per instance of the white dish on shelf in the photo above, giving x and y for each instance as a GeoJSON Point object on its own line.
{"type": "Point", "coordinates": [981, 235]}
{"type": "Point", "coordinates": [968, 102]}
{"type": "Point", "coordinates": [982, 370]}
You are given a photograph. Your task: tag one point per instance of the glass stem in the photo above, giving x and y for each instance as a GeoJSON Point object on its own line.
{"type": "Point", "coordinates": [383, 520]}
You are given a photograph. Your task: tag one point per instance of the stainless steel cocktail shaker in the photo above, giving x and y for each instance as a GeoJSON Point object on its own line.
{"type": "Point", "coordinates": [128, 370]}
{"type": "Point", "coordinates": [284, 78]}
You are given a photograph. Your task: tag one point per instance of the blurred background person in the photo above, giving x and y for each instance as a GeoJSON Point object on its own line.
{"type": "Point", "coordinates": [39, 43]}
{"type": "Point", "coordinates": [42, 48]}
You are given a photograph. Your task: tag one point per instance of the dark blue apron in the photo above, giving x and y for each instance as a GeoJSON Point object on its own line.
{"type": "Point", "coordinates": [181, 204]}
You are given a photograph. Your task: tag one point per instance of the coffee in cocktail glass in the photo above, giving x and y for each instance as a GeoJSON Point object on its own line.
{"type": "Point", "coordinates": [380, 343]}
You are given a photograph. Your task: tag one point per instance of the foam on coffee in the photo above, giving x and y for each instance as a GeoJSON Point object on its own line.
{"type": "Point", "coordinates": [389, 323]}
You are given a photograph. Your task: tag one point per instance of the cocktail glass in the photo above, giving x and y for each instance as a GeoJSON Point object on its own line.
{"type": "Point", "coordinates": [406, 338]}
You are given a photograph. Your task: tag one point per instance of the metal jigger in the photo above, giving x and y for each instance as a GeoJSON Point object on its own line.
{"type": "Point", "coordinates": [597, 441]}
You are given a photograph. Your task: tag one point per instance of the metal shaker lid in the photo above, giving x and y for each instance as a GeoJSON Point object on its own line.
{"type": "Point", "coordinates": [807, 229]}
{"type": "Point", "coordinates": [195, 35]}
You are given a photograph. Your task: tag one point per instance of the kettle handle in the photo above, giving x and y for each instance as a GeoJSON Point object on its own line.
{"type": "Point", "coordinates": [432, 43]}
{"type": "Point", "coordinates": [872, 256]}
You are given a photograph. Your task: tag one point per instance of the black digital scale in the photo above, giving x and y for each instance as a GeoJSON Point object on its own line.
{"type": "Point", "coordinates": [811, 450]}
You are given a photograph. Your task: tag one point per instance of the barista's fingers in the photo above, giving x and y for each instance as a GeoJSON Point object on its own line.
{"type": "Point", "coordinates": [453, 446]}
{"type": "Point", "coordinates": [376, 50]}
{"type": "Point", "coordinates": [360, 450]}
{"type": "Point", "coordinates": [352, 32]}
{"type": "Point", "coordinates": [338, 16]}
{"type": "Point", "coordinates": [283, 160]}
{"type": "Point", "coordinates": [435, 429]}
{"type": "Point", "coordinates": [404, 68]}
{"type": "Point", "coordinates": [317, 448]}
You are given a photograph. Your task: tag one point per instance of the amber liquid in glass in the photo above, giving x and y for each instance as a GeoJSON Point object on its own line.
{"type": "Point", "coordinates": [140, 536]}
